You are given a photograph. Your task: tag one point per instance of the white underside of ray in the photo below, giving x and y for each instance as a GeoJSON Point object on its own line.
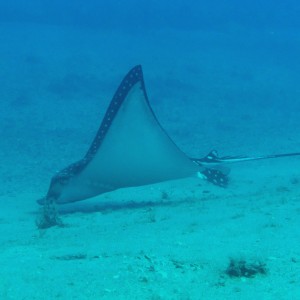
{"type": "Point", "coordinates": [135, 151]}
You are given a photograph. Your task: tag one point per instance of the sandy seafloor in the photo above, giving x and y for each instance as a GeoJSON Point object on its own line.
{"type": "Point", "coordinates": [236, 91]}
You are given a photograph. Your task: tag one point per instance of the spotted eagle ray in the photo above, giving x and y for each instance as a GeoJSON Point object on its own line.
{"type": "Point", "coordinates": [130, 149]}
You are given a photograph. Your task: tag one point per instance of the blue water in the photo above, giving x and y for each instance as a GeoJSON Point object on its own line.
{"type": "Point", "coordinates": [134, 14]}
{"type": "Point", "coordinates": [219, 74]}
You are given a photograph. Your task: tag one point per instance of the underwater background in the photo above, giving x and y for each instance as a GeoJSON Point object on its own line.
{"type": "Point", "coordinates": [219, 75]}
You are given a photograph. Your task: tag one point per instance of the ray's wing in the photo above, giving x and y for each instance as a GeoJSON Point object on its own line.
{"type": "Point", "coordinates": [130, 149]}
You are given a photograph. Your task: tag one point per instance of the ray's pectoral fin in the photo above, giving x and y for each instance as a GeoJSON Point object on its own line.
{"type": "Point", "coordinates": [130, 149]}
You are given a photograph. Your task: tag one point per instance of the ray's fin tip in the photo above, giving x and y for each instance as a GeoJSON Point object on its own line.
{"type": "Point", "coordinates": [137, 70]}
